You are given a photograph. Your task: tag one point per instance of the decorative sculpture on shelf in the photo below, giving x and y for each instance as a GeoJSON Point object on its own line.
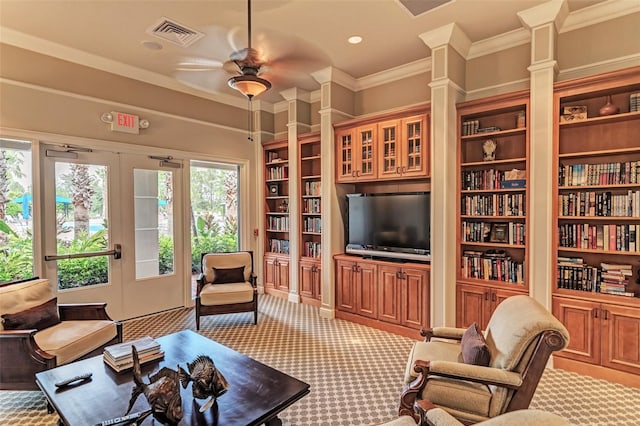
{"type": "Point", "coordinates": [208, 381]}
{"type": "Point", "coordinates": [609, 108]}
{"type": "Point", "coordinates": [489, 150]}
{"type": "Point", "coordinates": [162, 392]}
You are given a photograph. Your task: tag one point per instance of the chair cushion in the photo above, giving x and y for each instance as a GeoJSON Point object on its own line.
{"type": "Point", "coordinates": [427, 351]}
{"type": "Point", "coordinates": [228, 275]}
{"type": "Point", "coordinates": [469, 397]}
{"type": "Point", "coordinates": [225, 294]}
{"type": "Point", "coordinates": [474, 348]}
{"type": "Point", "coordinates": [22, 296]}
{"type": "Point", "coordinates": [38, 317]}
{"type": "Point", "coordinates": [70, 340]}
{"type": "Point", "coordinates": [226, 260]}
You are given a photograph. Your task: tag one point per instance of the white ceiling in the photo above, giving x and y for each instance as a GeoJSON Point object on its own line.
{"type": "Point", "coordinates": [296, 37]}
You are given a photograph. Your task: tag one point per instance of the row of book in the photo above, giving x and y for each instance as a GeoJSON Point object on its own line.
{"type": "Point", "coordinates": [493, 205]}
{"type": "Point", "coordinates": [474, 180]}
{"type": "Point", "coordinates": [607, 237]}
{"type": "Point", "coordinates": [472, 127]}
{"type": "Point", "coordinates": [273, 156]}
{"type": "Point", "coordinates": [311, 205]}
{"type": "Point", "coordinates": [604, 204]}
{"type": "Point", "coordinates": [487, 266]}
{"type": "Point", "coordinates": [279, 246]}
{"type": "Point", "coordinates": [119, 356]}
{"type": "Point", "coordinates": [634, 102]}
{"type": "Point", "coordinates": [311, 249]}
{"type": "Point", "coordinates": [312, 224]}
{"type": "Point", "coordinates": [312, 188]}
{"type": "Point", "coordinates": [278, 172]}
{"type": "Point", "coordinates": [620, 173]}
{"type": "Point", "coordinates": [608, 278]}
{"type": "Point", "coordinates": [278, 223]}
{"type": "Point", "coordinates": [478, 232]}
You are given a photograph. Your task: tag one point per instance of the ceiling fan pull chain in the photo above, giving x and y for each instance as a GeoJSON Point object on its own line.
{"type": "Point", "coordinates": [250, 109]}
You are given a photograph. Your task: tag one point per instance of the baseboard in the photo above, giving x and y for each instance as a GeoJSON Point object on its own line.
{"type": "Point", "coordinates": [597, 371]}
{"type": "Point", "coordinates": [380, 325]}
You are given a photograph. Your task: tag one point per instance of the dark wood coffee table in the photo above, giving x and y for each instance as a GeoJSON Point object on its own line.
{"type": "Point", "coordinates": [257, 392]}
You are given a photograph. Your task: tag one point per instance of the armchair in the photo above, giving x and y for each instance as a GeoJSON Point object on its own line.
{"type": "Point", "coordinates": [226, 285]}
{"type": "Point", "coordinates": [520, 337]}
{"type": "Point", "coordinates": [37, 334]}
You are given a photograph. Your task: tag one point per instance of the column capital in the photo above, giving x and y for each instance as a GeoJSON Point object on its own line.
{"type": "Point", "coordinates": [335, 75]}
{"type": "Point", "coordinates": [296, 93]}
{"type": "Point", "coordinates": [450, 34]}
{"type": "Point", "coordinates": [555, 11]}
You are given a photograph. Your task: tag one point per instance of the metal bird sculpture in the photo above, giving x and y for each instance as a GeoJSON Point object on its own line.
{"type": "Point", "coordinates": [207, 380]}
{"type": "Point", "coordinates": [162, 392]}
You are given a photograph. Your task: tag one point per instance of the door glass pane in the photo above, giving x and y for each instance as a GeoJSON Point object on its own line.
{"type": "Point", "coordinates": [81, 217]}
{"type": "Point", "coordinates": [214, 209]}
{"type": "Point", "coordinates": [153, 210]}
{"type": "Point", "coordinates": [16, 207]}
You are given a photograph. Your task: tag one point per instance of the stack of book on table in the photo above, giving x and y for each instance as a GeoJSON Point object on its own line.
{"type": "Point", "coordinates": [119, 356]}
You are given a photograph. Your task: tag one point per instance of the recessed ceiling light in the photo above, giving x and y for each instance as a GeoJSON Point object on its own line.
{"type": "Point", "coordinates": [152, 45]}
{"type": "Point", "coordinates": [354, 39]}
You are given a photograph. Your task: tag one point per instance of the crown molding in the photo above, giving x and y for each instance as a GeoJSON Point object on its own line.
{"type": "Point", "coordinates": [599, 12]}
{"type": "Point", "coordinates": [600, 67]}
{"type": "Point", "coordinates": [315, 96]}
{"type": "Point", "coordinates": [332, 74]}
{"type": "Point", "coordinates": [555, 11]}
{"type": "Point", "coordinates": [500, 42]}
{"type": "Point", "coordinates": [295, 93]}
{"type": "Point", "coordinates": [420, 66]}
{"type": "Point", "coordinates": [448, 34]}
{"type": "Point", "coordinates": [262, 106]}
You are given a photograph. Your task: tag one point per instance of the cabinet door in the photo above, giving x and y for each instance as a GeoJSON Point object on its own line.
{"type": "Point", "coordinates": [582, 319]}
{"type": "Point", "coordinates": [307, 278]}
{"type": "Point", "coordinates": [366, 290]}
{"type": "Point", "coordinates": [498, 295]}
{"type": "Point", "coordinates": [345, 286]}
{"type": "Point", "coordinates": [414, 295]}
{"type": "Point", "coordinates": [473, 304]}
{"type": "Point", "coordinates": [389, 283]}
{"type": "Point", "coordinates": [282, 274]}
{"type": "Point", "coordinates": [366, 160]}
{"type": "Point", "coordinates": [389, 149]}
{"type": "Point", "coordinates": [620, 338]}
{"type": "Point", "coordinates": [345, 155]}
{"type": "Point", "coordinates": [413, 150]}
{"type": "Point", "coordinates": [317, 281]}
{"type": "Point", "coordinates": [269, 271]}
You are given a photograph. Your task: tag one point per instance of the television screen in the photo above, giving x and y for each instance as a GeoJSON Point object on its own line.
{"type": "Point", "coordinates": [389, 222]}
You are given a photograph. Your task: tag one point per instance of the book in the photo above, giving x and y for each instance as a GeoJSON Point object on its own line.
{"type": "Point", "coordinates": [122, 351]}
{"type": "Point", "coordinates": [125, 365]}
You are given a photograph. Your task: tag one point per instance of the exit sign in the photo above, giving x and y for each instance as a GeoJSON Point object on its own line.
{"type": "Point", "coordinates": [127, 123]}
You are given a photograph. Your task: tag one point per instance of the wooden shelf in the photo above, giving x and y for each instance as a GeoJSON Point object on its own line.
{"type": "Point", "coordinates": [599, 251]}
{"type": "Point", "coordinates": [599, 187]}
{"type": "Point", "coordinates": [497, 245]}
{"type": "Point", "coordinates": [602, 120]}
{"type": "Point", "coordinates": [485, 191]}
{"type": "Point", "coordinates": [488, 135]}
{"type": "Point", "coordinates": [494, 162]}
{"type": "Point", "coordinates": [601, 218]}
{"type": "Point", "coordinates": [498, 218]}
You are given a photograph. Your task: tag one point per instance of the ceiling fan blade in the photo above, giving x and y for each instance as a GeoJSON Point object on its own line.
{"type": "Point", "coordinates": [199, 64]}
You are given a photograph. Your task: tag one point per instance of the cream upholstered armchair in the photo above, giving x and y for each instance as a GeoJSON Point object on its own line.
{"type": "Point", "coordinates": [475, 376]}
{"type": "Point", "coordinates": [226, 285]}
{"type": "Point", "coordinates": [439, 417]}
{"type": "Point", "coordinates": [37, 334]}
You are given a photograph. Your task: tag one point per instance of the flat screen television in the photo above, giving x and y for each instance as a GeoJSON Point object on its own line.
{"type": "Point", "coordinates": [389, 225]}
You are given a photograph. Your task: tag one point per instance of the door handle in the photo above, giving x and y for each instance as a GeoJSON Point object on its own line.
{"type": "Point", "coordinates": [606, 314]}
{"type": "Point", "coordinates": [595, 313]}
{"type": "Point", "coordinates": [486, 295]}
{"type": "Point", "coordinates": [116, 253]}
{"type": "Point", "coordinates": [493, 297]}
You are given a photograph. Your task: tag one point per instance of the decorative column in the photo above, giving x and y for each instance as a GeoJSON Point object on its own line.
{"type": "Point", "coordinates": [449, 46]}
{"type": "Point", "coordinates": [297, 122]}
{"type": "Point", "coordinates": [543, 21]}
{"type": "Point", "coordinates": [332, 239]}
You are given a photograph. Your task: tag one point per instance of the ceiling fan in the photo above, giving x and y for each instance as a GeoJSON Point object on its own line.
{"type": "Point", "coordinates": [245, 63]}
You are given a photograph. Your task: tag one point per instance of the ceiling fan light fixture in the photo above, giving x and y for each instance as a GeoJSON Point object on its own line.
{"type": "Point", "coordinates": [249, 85]}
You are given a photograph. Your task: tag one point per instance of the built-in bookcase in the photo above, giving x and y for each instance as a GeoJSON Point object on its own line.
{"type": "Point", "coordinates": [492, 219]}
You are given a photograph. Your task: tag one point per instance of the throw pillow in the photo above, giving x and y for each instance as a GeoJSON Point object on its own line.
{"type": "Point", "coordinates": [474, 348]}
{"type": "Point", "coordinates": [39, 317]}
{"type": "Point", "coordinates": [228, 275]}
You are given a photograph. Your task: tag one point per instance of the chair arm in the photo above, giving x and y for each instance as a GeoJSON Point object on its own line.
{"type": "Point", "coordinates": [83, 311]}
{"type": "Point", "coordinates": [475, 373]}
{"type": "Point", "coordinates": [201, 281]}
{"type": "Point", "coordinates": [453, 333]}
{"type": "Point", "coordinates": [253, 279]}
{"type": "Point", "coordinates": [439, 417]}
{"type": "Point", "coordinates": [16, 341]}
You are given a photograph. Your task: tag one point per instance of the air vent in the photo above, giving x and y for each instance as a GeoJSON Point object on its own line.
{"type": "Point", "coordinates": [418, 7]}
{"type": "Point", "coordinates": [169, 30]}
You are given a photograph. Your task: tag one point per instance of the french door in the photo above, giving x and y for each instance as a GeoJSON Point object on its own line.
{"type": "Point", "coordinates": [112, 225]}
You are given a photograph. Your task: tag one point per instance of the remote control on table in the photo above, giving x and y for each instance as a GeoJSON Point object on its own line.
{"type": "Point", "coordinates": [128, 418]}
{"type": "Point", "coordinates": [73, 379]}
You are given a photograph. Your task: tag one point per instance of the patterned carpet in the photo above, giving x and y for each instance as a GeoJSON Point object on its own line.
{"type": "Point", "coordinates": [355, 372]}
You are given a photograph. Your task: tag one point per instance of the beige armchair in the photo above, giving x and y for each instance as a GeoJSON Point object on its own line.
{"type": "Point", "coordinates": [518, 341]}
{"type": "Point", "coordinates": [439, 417]}
{"type": "Point", "coordinates": [226, 285]}
{"type": "Point", "coordinates": [37, 334]}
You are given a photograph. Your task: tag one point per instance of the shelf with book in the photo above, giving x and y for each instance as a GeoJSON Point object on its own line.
{"type": "Point", "coordinates": [596, 285]}
{"type": "Point", "coordinates": [310, 218]}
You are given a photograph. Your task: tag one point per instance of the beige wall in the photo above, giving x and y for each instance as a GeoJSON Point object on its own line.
{"type": "Point", "coordinates": [616, 38]}
{"type": "Point", "coordinates": [397, 94]}
{"type": "Point", "coordinates": [498, 68]}
{"type": "Point", "coordinates": [280, 121]}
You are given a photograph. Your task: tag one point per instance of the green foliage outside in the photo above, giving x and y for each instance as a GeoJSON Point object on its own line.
{"type": "Point", "coordinates": [16, 257]}
{"type": "Point", "coordinates": [86, 271]}
{"type": "Point", "coordinates": [212, 237]}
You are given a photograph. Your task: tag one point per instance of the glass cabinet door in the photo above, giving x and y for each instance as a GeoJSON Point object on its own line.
{"type": "Point", "coordinates": [389, 148]}
{"type": "Point", "coordinates": [414, 161]}
{"type": "Point", "coordinates": [345, 170]}
{"type": "Point", "coordinates": [367, 157]}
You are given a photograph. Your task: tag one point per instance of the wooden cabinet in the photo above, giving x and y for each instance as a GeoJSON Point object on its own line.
{"type": "Point", "coordinates": [402, 149]}
{"type": "Point", "coordinates": [475, 303]}
{"type": "Point", "coordinates": [276, 275]}
{"type": "Point", "coordinates": [390, 147]}
{"type": "Point", "coordinates": [492, 219]}
{"type": "Point", "coordinates": [386, 295]}
{"type": "Point", "coordinates": [310, 282]}
{"type": "Point", "coordinates": [601, 333]}
{"type": "Point", "coordinates": [597, 215]}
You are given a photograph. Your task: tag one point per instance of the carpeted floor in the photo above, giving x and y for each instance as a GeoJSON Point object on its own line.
{"type": "Point", "coordinates": [355, 372]}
